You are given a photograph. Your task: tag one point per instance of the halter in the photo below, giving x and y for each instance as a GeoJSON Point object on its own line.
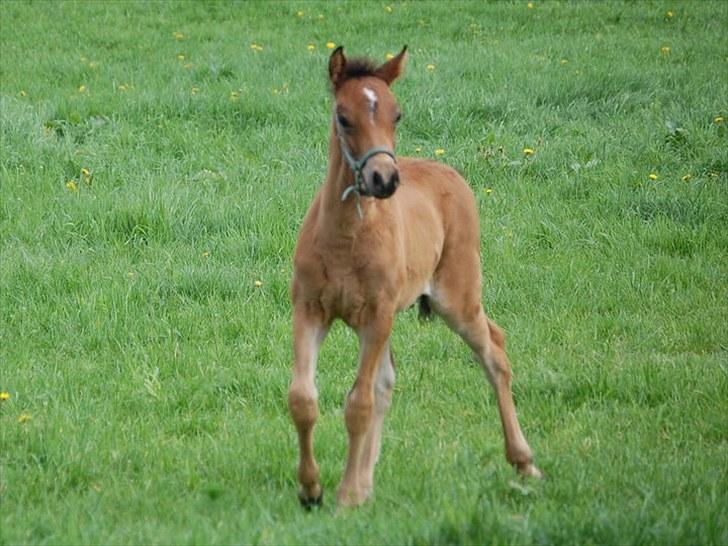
{"type": "Point", "coordinates": [357, 167]}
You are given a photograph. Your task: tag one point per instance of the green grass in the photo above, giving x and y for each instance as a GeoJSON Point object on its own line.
{"type": "Point", "coordinates": [154, 371]}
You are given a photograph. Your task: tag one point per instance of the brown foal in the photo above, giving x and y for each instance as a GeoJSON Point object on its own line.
{"type": "Point", "coordinates": [381, 233]}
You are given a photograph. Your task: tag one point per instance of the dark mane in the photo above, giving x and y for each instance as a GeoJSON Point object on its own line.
{"type": "Point", "coordinates": [357, 68]}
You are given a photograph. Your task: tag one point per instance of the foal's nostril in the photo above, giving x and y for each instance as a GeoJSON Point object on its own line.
{"type": "Point", "coordinates": [394, 179]}
{"type": "Point", "coordinates": [377, 181]}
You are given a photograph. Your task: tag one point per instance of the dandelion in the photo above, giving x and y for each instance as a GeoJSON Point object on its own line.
{"type": "Point", "coordinates": [564, 61]}
{"type": "Point", "coordinates": [256, 47]}
{"type": "Point", "coordinates": [439, 151]}
{"type": "Point", "coordinates": [24, 418]}
{"type": "Point", "coordinates": [23, 93]}
{"type": "Point", "coordinates": [195, 90]}
{"type": "Point", "coordinates": [206, 254]}
{"type": "Point", "coordinates": [388, 9]}
{"type": "Point", "coordinates": [178, 35]}
{"type": "Point", "coordinates": [123, 87]}
{"type": "Point", "coordinates": [430, 67]}
{"type": "Point", "coordinates": [300, 13]}
{"type": "Point", "coordinates": [652, 176]}
{"type": "Point", "coordinates": [82, 88]}
{"type": "Point", "coordinates": [4, 396]}
{"type": "Point", "coordinates": [389, 56]}
{"type": "Point", "coordinates": [718, 119]}
{"type": "Point", "coordinates": [530, 5]}
{"type": "Point", "coordinates": [71, 185]}
{"type": "Point", "coordinates": [234, 96]}
{"type": "Point", "coordinates": [258, 284]}
{"type": "Point", "coordinates": [418, 149]}
{"type": "Point", "coordinates": [669, 14]}
{"type": "Point", "coordinates": [330, 45]}
{"type": "Point", "coordinates": [687, 177]}
{"type": "Point", "coordinates": [86, 174]}
{"type": "Point", "coordinates": [181, 57]}
{"type": "Point", "coordinates": [665, 50]}
{"type": "Point", "coordinates": [488, 190]}
{"type": "Point", "coordinates": [528, 151]}
{"type": "Point", "coordinates": [311, 47]}
{"type": "Point", "coordinates": [130, 274]}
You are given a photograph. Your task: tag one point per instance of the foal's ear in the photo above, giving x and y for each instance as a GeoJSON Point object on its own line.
{"type": "Point", "coordinates": [337, 64]}
{"type": "Point", "coordinates": [393, 68]}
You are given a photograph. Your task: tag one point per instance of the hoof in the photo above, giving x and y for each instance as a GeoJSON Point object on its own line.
{"type": "Point", "coordinates": [309, 503]}
{"type": "Point", "coordinates": [529, 470]}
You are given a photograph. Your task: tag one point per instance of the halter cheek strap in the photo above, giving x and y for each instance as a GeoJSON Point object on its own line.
{"type": "Point", "coordinates": [357, 167]}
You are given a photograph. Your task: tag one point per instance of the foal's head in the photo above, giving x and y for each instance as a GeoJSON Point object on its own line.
{"type": "Point", "coordinates": [365, 118]}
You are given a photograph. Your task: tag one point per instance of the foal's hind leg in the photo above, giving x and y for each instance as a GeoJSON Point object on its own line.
{"type": "Point", "coordinates": [460, 307]}
{"type": "Point", "coordinates": [382, 400]}
{"type": "Point", "coordinates": [308, 333]}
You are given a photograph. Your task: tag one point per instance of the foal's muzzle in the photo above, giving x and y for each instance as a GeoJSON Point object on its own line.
{"type": "Point", "coordinates": [384, 187]}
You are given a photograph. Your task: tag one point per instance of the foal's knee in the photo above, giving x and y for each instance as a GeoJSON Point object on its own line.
{"type": "Point", "coordinates": [359, 411]}
{"type": "Point", "coordinates": [303, 406]}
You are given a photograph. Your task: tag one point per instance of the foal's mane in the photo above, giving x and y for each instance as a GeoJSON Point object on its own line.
{"type": "Point", "coordinates": [357, 68]}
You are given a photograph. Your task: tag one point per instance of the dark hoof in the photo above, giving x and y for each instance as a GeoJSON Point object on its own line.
{"type": "Point", "coordinates": [309, 503]}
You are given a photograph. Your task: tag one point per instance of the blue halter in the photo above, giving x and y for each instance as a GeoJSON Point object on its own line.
{"type": "Point", "coordinates": [357, 167]}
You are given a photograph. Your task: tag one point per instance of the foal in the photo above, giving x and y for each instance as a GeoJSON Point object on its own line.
{"type": "Point", "coordinates": [381, 233]}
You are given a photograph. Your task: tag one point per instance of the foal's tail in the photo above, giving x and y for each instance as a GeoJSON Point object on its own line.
{"type": "Point", "coordinates": [425, 309]}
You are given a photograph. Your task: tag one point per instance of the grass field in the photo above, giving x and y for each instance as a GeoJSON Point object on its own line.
{"type": "Point", "coordinates": [156, 162]}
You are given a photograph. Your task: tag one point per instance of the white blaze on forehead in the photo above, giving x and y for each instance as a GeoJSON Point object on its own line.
{"type": "Point", "coordinates": [372, 98]}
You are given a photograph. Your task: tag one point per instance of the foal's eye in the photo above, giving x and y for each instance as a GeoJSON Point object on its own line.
{"type": "Point", "coordinates": [343, 121]}
{"type": "Point", "coordinates": [398, 118]}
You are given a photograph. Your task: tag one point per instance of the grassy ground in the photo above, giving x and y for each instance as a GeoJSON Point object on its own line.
{"type": "Point", "coordinates": [157, 159]}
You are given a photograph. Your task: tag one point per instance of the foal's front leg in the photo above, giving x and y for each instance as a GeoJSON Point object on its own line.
{"type": "Point", "coordinates": [360, 413]}
{"type": "Point", "coordinates": [308, 334]}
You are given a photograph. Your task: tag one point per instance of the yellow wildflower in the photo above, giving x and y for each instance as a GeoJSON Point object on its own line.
{"type": "Point", "coordinates": [181, 57]}
{"type": "Point", "coordinates": [311, 47]}
{"type": "Point", "coordinates": [320, 16]}
{"type": "Point", "coordinates": [256, 47]}
{"type": "Point", "coordinates": [652, 176]}
{"type": "Point", "coordinates": [439, 151]}
{"type": "Point", "coordinates": [123, 87]}
{"type": "Point", "coordinates": [23, 93]}
{"type": "Point", "coordinates": [234, 95]}
{"type": "Point", "coordinates": [330, 45]}
{"type": "Point", "coordinates": [258, 284]}
{"type": "Point", "coordinates": [187, 65]}
{"type": "Point", "coordinates": [418, 149]}
{"type": "Point", "coordinates": [178, 35]}
{"type": "Point", "coordinates": [564, 61]}
{"type": "Point", "coordinates": [388, 9]}
{"type": "Point", "coordinates": [389, 56]}
{"type": "Point", "coordinates": [195, 90]}
{"type": "Point", "coordinates": [529, 151]}
{"type": "Point", "coordinates": [23, 418]}
{"type": "Point", "coordinates": [82, 88]}
{"type": "Point", "coordinates": [687, 177]}
{"type": "Point", "coordinates": [4, 396]}
{"type": "Point", "coordinates": [430, 67]}
{"type": "Point", "coordinates": [718, 119]}
{"type": "Point", "coordinates": [530, 5]}
{"type": "Point", "coordinates": [71, 185]}
{"type": "Point", "coordinates": [300, 13]}
{"type": "Point", "coordinates": [488, 190]}
{"type": "Point", "coordinates": [665, 50]}
{"type": "Point", "coordinates": [669, 14]}
{"type": "Point", "coordinates": [206, 254]}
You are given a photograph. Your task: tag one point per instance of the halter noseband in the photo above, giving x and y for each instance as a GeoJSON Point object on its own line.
{"type": "Point", "coordinates": [357, 167]}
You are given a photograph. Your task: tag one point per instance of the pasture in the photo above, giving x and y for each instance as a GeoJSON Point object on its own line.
{"type": "Point", "coordinates": [156, 162]}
